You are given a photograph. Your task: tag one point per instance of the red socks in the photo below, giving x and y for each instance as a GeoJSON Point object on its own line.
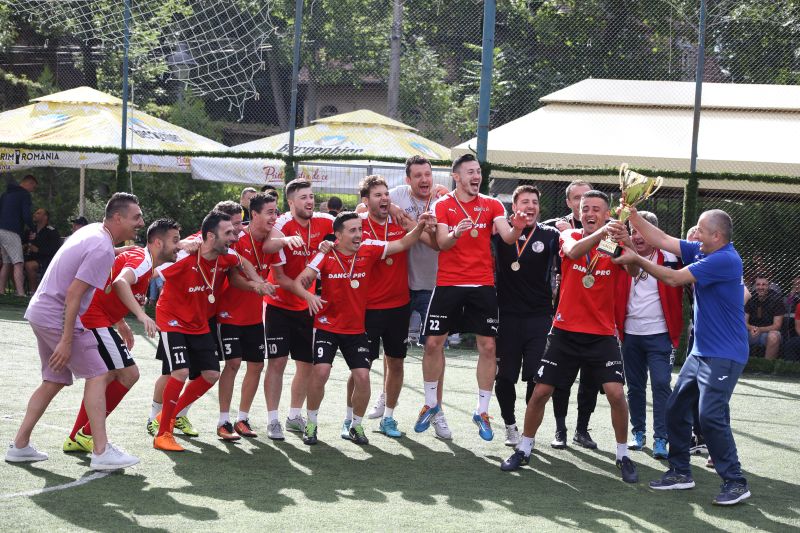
{"type": "Point", "coordinates": [115, 391]}
{"type": "Point", "coordinates": [172, 390]}
{"type": "Point", "coordinates": [194, 390]}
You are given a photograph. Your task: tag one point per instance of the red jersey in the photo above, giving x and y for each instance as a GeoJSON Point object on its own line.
{"type": "Point", "coordinates": [585, 310]}
{"type": "Point", "coordinates": [240, 307]}
{"type": "Point", "coordinates": [470, 261]}
{"type": "Point", "coordinates": [318, 228]}
{"type": "Point", "coordinates": [183, 306]}
{"type": "Point", "coordinates": [345, 307]}
{"type": "Point", "coordinates": [107, 309]}
{"type": "Point", "coordinates": [391, 289]}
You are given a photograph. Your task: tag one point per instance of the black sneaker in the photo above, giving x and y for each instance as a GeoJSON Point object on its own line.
{"type": "Point", "coordinates": [698, 446]}
{"type": "Point", "coordinates": [732, 492]}
{"type": "Point", "coordinates": [582, 438]}
{"type": "Point", "coordinates": [672, 480]}
{"type": "Point", "coordinates": [515, 462]}
{"type": "Point", "coordinates": [629, 474]}
{"type": "Point", "coordinates": [357, 435]}
{"type": "Point", "coordinates": [560, 440]}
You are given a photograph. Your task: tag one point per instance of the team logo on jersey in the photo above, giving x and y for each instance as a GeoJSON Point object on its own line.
{"type": "Point", "coordinates": [224, 314]}
{"type": "Point", "coordinates": [323, 320]}
{"type": "Point", "coordinates": [197, 288]}
{"type": "Point", "coordinates": [537, 246]}
{"type": "Point", "coordinates": [361, 349]}
{"type": "Point", "coordinates": [559, 318]}
{"type": "Point", "coordinates": [173, 323]}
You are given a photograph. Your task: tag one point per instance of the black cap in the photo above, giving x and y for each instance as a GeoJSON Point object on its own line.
{"type": "Point", "coordinates": [80, 220]}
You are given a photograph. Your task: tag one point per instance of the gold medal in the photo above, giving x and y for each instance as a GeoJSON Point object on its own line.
{"type": "Point", "coordinates": [210, 284]}
{"type": "Point", "coordinates": [389, 261]}
{"type": "Point", "coordinates": [354, 283]}
{"type": "Point", "coordinates": [515, 266]}
{"type": "Point", "coordinates": [588, 281]}
{"type": "Point", "coordinates": [211, 299]}
{"type": "Point", "coordinates": [473, 233]}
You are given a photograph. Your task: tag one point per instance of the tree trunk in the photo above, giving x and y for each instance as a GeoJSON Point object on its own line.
{"type": "Point", "coordinates": [394, 62]}
{"type": "Point", "coordinates": [277, 91]}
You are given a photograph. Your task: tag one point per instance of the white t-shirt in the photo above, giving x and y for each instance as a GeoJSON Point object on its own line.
{"type": "Point", "coordinates": [423, 261]}
{"type": "Point", "coordinates": [644, 315]}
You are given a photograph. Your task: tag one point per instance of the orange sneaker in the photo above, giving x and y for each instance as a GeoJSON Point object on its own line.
{"type": "Point", "coordinates": [243, 428]}
{"type": "Point", "coordinates": [166, 442]}
{"type": "Point", "coordinates": [225, 432]}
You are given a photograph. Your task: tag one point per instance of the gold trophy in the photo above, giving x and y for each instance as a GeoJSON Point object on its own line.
{"type": "Point", "coordinates": [636, 188]}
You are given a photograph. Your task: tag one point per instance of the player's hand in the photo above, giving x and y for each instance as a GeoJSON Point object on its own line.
{"type": "Point", "coordinates": [61, 355]}
{"type": "Point", "coordinates": [754, 330]}
{"type": "Point", "coordinates": [189, 246]}
{"type": "Point", "coordinates": [293, 242]}
{"type": "Point", "coordinates": [440, 190]}
{"type": "Point", "coordinates": [521, 219]}
{"type": "Point", "coordinates": [315, 304]}
{"type": "Point", "coordinates": [463, 226]}
{"type": "Point", "coordinates": [626, 259]}
{"type": "Point", "coordinates": [616, 230]}
{"type": "Point", "coordinates": [126, 334]}
{"type": "Point", "coordinates": [270, 289]}
{"type": "Point", "coordinates": [425, 219]}
{"type": "Point", "coordinates": [150, 327]}
{"type": "Point", "coordinates": [563, 225]}
{"type": "Point", "coordinates": [325, 247]}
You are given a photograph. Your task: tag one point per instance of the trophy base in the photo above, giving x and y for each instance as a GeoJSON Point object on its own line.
{"type": "Point", "coordinates": [610, 247]}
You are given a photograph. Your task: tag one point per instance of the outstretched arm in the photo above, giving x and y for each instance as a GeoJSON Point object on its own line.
{"type": "Point", "coordinates": [654, 236]}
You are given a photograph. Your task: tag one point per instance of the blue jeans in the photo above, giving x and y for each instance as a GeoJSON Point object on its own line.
{"type": "Point", "coordinates": [641, 353]}
{"type": "Point", "coordinates": [711, 379]}
{"type": "Point", "coordinates": [419, 303]}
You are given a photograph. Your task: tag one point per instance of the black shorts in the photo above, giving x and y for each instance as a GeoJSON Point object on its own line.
{"type": "Point", "coordinates": [462, 310]}
{"type": "Point", "coordinates": [355, 348]}
{"type": "Point", "coordinates": [521, 341]}
{"type": "Point", "coordinates": [112, 349]}
{"type": "Point", "coordinates": [391, 326]}
{"type": "Point", "coordinates": [568, 351]}
{"type": "Point", "coordinates": [242, 342]}
{"type": "Point", "coordinates": [181, 350]}
{"type": "Point", "coordinates": [289, 332]}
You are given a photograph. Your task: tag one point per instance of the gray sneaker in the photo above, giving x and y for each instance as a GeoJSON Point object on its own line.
{"type": "Point", "coordinates": [112, 458]}
{"type": "Point", "coordinates": [379, 407]}
{"type": "Point", "coordinates": [512, 436]}
{"type": "Point", "coordinates": [275, 431]}
{"type": "Point", "coordinates": [28, 454]}
{"type": "Point", "coordinates": [440, 426]}
{"type": "Point", "coordinates": [296, 424]}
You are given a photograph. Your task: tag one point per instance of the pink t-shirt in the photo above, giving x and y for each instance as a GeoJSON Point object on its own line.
{"type": "Point", "coordinates": [87, 255]}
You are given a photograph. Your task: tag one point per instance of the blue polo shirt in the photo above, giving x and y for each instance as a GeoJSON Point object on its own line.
{"type": "Point", "coordinates": [719, 326]}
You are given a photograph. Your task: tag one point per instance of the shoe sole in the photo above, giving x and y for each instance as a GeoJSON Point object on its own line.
{"type": "Point", "coordinates": [509, 469]}
{"type": "Point", "coordinates": [491, 435]}
{"type": "Point", "coordinates": [275, 438]}
{"type": "Point", "coordinates": [26, 459]}
{"type": "Point", "coordinates": [675, 486]}
{"type": "Point", "coordinates": [390, 436]}
{"type": "Point", "coordinates": [660, 456]}
{"type": "Point", "coordinates": [733, 502]}
{"type": "Point", "coordinates": [309, 443]}
{"type": "Point", "coordinates": [511, 444]}
{"type": "Point", "coordinates": [107, 468]}
{"type": "Point", "coordinates": [246, 436]}
{"type": "Point", "coordinates": [587, 446]}
{"type": "Point", "coordinates": [559, 446]}
{"type": "Point", "coordinates": [373, 416]}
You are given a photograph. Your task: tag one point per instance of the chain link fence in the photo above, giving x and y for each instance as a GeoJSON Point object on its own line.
{"type": "Point", "coordinates": [572, 82]}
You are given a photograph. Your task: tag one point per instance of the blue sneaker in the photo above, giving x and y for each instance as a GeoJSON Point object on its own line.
{"type": "Point", "coordinates": [426, 414]}
{"type": "Point", "coordinates": [671, 480]}
{"type": "Point", "coordinates": [638, 441]}
{"type": "Point", "coordinates": [660, 449]}
{"type": "Point", "coordinates": [732, 492]}
{"type": "Point", "coordinates": [484, 426]}
{"type": "Point", "coordinates": [389, 427]}
{"type": "Point", "coordinates": [346, 429]}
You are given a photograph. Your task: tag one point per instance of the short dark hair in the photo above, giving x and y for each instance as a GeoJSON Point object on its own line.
{"type": "Point", "coordinates": [119, 202]}
{"type": "Point", "coordinates": [335, 203]}
{"type": "Point", "coordinates": [159, 228]}
{"type": "Point", "coordinates": [366, 185]}
{"type": "Point", "coordinates": [461, 160]}
{"type": "Point", "coordinates": [577, 183]}
{"type": "Point", "coordinates": [229, 207]}
{"type": "Point", "coordinates": [341, 218]}
{"type": "Point", "coordinates": [761, 275]}
{"type": "Point", "coordinates": [211, 222]}
{"type": "Point", "coordinates": [246, 190]}
{"type": "Point", "coordinates": [597, 194]}
{"type": "Point", "coordinates": [523, 189]}
{"type": "Point", "coordinates": [296, 185]}
{"type": "Point", "coordinates": [46, 212]}
{"type": "Point", "coordinates": [260, 199]}
{"type": "Point", "coordinates": [265, 188]}
{"type": "Point", "coordinates": [415, 160]}
{"type": "Point", "coordinates": [30, 177]}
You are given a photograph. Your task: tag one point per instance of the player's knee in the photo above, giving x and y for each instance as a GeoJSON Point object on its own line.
{"type": "Point", "coordinates": [129, 376]}
{"type": "Point", "coordinates": [360, 378]}
{"type": "Point", "coordinates": [395, 365]}
{"type": "Point", "coordinates": [212, 376]}
{"type": "Point", "coordinates": [486, 346]}
{"type": "Point", "coordinates": [542, 393]}
{"type": "Point", "coordinates": [182, 374]}
{"type": "Point", "coordinates": [232, 365]}
{"type": "Point", "coordinates": [615, 394]}
{"type": "Point", "coordinates": [255, 367]}
{"type": "Point", "coordinates": [434, 343]}
{"type": "Point", "coordinates": [277, 365]}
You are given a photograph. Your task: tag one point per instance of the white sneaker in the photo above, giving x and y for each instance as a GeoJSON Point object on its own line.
{"type": "Point", "coordinates": [28, 454]}
{"type": "Point", "coordinates": [512, 435]}
{"type": "Point", "coordinates": [378, 408]}
{"type": "Point", "coordinates": [441, 427]}
{"type": "Point", "coordinates": [296, 424]}
{"type": "Point", "coordinates": [112, 459]}
{"type": "Point", "coordinates": [275, 431]}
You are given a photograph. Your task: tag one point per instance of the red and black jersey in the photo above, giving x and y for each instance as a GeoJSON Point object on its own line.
{"type": "Point", "coordinates": [320, 225]}
{"type": "Point", "coordinates": [345, 305]}
{"type": "Point", "coordinates": [390, 289]}
{"type": "Point", "coordinates": [470, 261]}
{"type": "Point", "coordinates": [107, 309]}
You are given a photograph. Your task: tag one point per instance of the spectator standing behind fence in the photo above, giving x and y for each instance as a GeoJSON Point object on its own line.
{"type": "Point", "coordinates": [244, 200]}
{"type": "Point", "coordinates": [42, 245]}
{"type": "Point", "coordinates": [335, 206]}
{"type": "Point", "coordinates": [764, 315]}
{"type": "Point", "coordinates": [15, 214]}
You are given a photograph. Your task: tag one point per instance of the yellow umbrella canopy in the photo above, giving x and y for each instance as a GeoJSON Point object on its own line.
{"type": "Point", "coordinates": [84, 118]}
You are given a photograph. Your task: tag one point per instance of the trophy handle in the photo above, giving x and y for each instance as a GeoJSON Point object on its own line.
{"type": "Point", "coordinates": [655, 185]}
{"type": "Point", "coordinates": [623, 170]}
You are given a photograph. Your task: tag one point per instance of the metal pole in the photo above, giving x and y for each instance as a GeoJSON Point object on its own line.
{"type": "Point", "coordinates": [698, 85]}
{"type": "Point", "coordinates": [487, 58]}
{"type": "Point", "coordinates": [298, 33]}
{"type": "Point", "coordinates": [122, 167]}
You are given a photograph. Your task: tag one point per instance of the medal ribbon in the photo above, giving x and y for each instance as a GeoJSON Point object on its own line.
{"type": "Point", "coordinates": [480, 213]}
{"type": "Point", "coordinates": [255, 251]}
{"type": "Point", "coordinates": [527, 241]}
{"type": "Point", "coordinates": [590, 265]}
{"type": "Point", "coordinates": [203, 275]}
{"type": "Point", "coordinates": [306, 245]}
{"type": "Point", "coordinates": [643, 274]}
{"type": "Point", "coordinates": [352, 265]}
{"type": "Point", "coordinates": [385, 229]}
